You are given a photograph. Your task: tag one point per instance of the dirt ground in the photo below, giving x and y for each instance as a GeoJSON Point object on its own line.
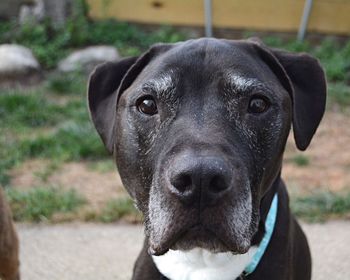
{"type": "Point", "coordinates": [104, 252]}
{"type": "Point", "coordinates": [328, 154]}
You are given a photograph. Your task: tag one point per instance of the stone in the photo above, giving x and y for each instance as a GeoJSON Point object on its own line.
{"type": "Point", "coordinates": [87, 59]}
{"type": "Point", "coordinates": [18, 65]}
{"type": "Point", "coordinates": [32, 13]}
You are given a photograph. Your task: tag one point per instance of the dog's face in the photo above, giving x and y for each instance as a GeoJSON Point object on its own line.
{"type": "Point", "coordinates": [198, 130]}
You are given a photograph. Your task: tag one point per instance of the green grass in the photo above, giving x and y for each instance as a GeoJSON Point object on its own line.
{"type": "Point", "coordinates": [118, 208]}
{"type": "Point", "coordinates": [319, 206]}
{"type": "Point", "coordinates": [339, 93]}
{"type": "Point", "coordinates": [102, 166]}
{"type": "Point", "coordinates": [67, 84]}
{"type": "Point", "coordinates": [335, 59]}
{"type": "Point", "coordinates": [34, 125]}
{"type": "Point", "coordinates": [41, 203]}
{"type": "Point", "coordinates": [71, 142]}
{"type": "Point", "coordinates": [31, 109]}
{"type": "Point", "coordinates": [301, 160]}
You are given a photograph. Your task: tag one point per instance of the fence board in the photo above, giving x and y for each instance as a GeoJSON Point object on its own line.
{"type": "Point", "coordinates": [330, 16]}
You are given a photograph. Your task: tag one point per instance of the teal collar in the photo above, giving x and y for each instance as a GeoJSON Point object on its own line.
{"type": "Point", "coordinates": [269, 227]}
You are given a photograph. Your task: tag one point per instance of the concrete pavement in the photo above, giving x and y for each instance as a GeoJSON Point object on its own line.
{"type": "Point", "coordinates": [107, 252]}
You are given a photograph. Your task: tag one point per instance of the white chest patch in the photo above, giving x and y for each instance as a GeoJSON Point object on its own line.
{"type": "Point", "coordinates": [200, 264]}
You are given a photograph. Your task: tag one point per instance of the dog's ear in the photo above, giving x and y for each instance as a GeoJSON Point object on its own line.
{"type": "Point", "coordinates": [105, 86]}
{"type": "Point", "coordinates": [102, 96]}
{"type": "Point", "coordinates": [304, 79]}
{"type": "Point", "coordinates": [309, 94]}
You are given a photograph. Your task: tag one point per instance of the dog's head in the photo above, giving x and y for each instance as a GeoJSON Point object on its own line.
{"type": "Point", "coordinates": [198, 129]}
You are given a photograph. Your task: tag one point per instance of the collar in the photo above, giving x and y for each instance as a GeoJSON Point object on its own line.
{"type": "Point", "coordinates": [269, 228]}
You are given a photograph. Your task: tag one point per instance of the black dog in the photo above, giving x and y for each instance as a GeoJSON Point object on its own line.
{"type": "Point", "coordinates": [198, 130]}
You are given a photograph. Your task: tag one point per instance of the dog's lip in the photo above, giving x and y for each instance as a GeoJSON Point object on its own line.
{"type": "Point", "coordinates": [156, 251]}
{"type": "Point", "coordinates": [161, 250]}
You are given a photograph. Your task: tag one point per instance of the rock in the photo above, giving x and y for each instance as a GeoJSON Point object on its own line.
{"type": "Point", "coordinates": [32, 13]}
{"type": "Point", "coordinates": [18, 65]}
{"type": "Point", "coordinates": [87, 59]}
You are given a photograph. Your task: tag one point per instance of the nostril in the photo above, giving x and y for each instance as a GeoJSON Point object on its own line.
{"type": "Point", "coordinates": [182, 182]}
{"type": "Point", "coordinates": [217, 184]}
{"type": "Point", "coordinates": [203, 179]}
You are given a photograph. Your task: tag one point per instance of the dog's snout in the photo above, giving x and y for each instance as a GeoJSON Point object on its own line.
{"type": "Point", "coordinates": [204, 178]}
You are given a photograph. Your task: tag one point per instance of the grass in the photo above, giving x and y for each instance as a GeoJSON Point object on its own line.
{"type": "Point", "coordinates": [118, 208]}
{"type": "Point", "coordinates": [102, 166]}
{"type": "Point", "coordinates": [41, 203]}
{"type": "Point", "coordinates": [27, 110]}
{"type": "Point", "coordinates": [301, 160]}
{"type": "Point", "coordinates": [71, 142]}
{"type": "Point", "coordinates": [319, 206]}
{"type": "Point", "coordinates": [339, 93]}
{"type": "Point", "coordinates": [36, 125]}
{"type": "Point", "coordinates": [68, 84]}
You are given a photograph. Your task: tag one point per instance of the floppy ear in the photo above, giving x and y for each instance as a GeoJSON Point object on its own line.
{"type": "Point", "coordinates": [304, 78]}
{"type": "Point", "coordinates": [309, 94]}
{"type": "Point", "coordinates": [102, 97]}
{"type": "Point", "coordinates": [107, 83]}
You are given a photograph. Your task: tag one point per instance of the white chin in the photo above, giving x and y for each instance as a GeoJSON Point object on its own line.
{"type": "Point", "coordinates": [201, 264]}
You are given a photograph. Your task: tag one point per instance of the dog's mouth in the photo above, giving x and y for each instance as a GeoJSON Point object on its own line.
{"type": "Point", "coordinates": [200, 237]}
{"type": "Point", "coordinates": [197, 236]}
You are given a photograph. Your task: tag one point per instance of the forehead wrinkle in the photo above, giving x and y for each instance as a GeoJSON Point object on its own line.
{"type": "Point", "coordinates": [238, 83]}
{"type": "Point", "coordinates": [163, 83]}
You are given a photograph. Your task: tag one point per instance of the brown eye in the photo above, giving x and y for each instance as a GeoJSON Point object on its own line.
{"type": "Point", "coordinates": [147, 105]}
{"type": "Point", "coordinates": [257, 105]}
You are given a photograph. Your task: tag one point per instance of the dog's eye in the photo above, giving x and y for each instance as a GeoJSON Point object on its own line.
{"type": "Point", "coordinates": [257, 105]}
{"type": "Point", "coordinates": [147, 105]}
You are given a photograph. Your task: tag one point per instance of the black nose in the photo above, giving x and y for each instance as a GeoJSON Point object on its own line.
{"type": "Point", "coordinates": [204, 178]}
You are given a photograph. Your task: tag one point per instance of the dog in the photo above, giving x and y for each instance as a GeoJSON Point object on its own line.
{"type": "Point", "coordinates": [9, 260]}
{"type": "Point", "coordinates": [198, 130]}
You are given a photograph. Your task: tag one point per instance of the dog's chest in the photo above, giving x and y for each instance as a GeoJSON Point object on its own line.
{"type": "Point", "coordinates": [200, 264]}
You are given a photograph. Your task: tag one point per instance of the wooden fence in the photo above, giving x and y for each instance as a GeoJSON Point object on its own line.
{"type": "Point", "coordinates": [327, 16]}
